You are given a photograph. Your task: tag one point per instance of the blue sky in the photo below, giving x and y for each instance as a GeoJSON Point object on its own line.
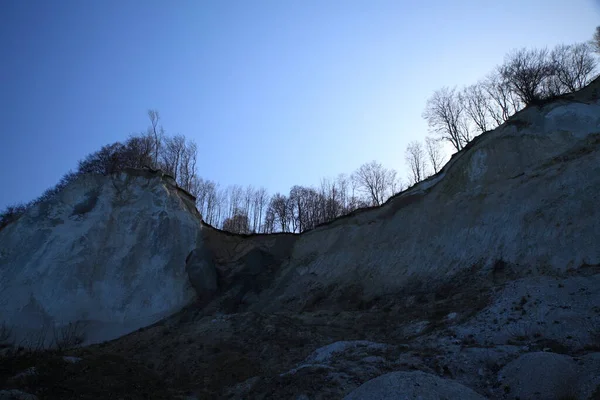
{"type": "Point", "coordinates": [275, 93]}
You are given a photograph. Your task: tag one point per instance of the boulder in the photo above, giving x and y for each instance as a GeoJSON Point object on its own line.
{"type": "Point", "coordinates": [589, 376]}
{"type": "Point", "coordinates": [412, 385]}
{"type": "Point", "coordinates": [540, 375]}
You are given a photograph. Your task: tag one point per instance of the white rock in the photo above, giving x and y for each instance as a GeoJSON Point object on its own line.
{"type": "Point", "coordinates": [540, 375]}
{"type": "Point", "coordinates": [500, 199]}
{"type": "Point", "coordinates": [107, 250]}
{"type": "Point", "coordinates": [410, 386]}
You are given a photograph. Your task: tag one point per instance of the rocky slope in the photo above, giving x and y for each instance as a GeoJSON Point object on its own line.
{"type": "Point", "coordinates": [107, 252]}
{"type": "Point", "coordinates": [481, 282]}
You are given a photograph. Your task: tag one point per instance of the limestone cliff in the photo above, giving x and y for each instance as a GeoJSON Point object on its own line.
{"type": "Point", "coordinates": [525, 194]}
{"type": "Point", "coordinates": [483, 280]}
{"type": "Point", "coordinates": [106, 250]}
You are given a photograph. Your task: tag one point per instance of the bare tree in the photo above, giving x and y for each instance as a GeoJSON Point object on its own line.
{"type": "Point", "coordinates": [434, 153]}
{"type": "Point", "coordinates": [596, 40]}
{"type": "Point", "coordinates": [281, 210]}
{"type": "Point", "coordinates": [157, 133]}
{"type": "Point", "coordinates": [238, 223]}
{"type": "Point", "coordinates": [344, 185]}
{"type": "Point", "coordinates": [415, 158]}
{"type": "Point", "coordinates": [234, 198]}
{"type": "Point", "coordinates": [259, 204]}
{"type": "Point", "coordinates": [139, 151]}
{"type": "Point", "coordinates": [375, 181]}
{"type": "Point", "coordinates": [247, 200]}
{"type": "Point", "coordinates": [331, 199]}
{"type": "Point", "coordinates": [503, 102]}
{"type": "Point", "coordinates": [475, 101]}
{"type": "Point", "coordinates": [574, 65]}
{"type": "Point", "coordinates": [309, 207]}
{"type": "Point", "coordinates": [187, 166]}
{"type": "Point", "coordinates": [445, 115]}
{"type": "Point", "coordinates": [172, 155]}
{"type": "Point", "coordinates": [108, 160]}
{"type": "Point", "coordinates": [202, 198]}
{"type": "Point", "coordinates": [527, 72]}
{"type": "Point", "coordinates": [269, 222]}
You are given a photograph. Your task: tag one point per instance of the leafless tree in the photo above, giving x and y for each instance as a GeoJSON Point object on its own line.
{"type": "Point", "coordinates": [434, 153]}
{"type": "Point", "coordinates": [202, 197]}
{"type": "Point", "coordinates": [139, 151]}
{"type": "Point", "coordinates": [375, 181]}
{"type": "Point", "coordinates": [173, 154]}
{"type": "Point", "coordinates": [187, 166]}
{"type": "Point", "coordinates": [281, 209]}
{"type": "Point", "coordinates": [314, 207]}
{"type": "Point", "coordinates": [156, 132]}
{"type": "Point", "coordinates": [238, 223]}
{"type": "Point", "coordinates": [475, 101]}
{"type": "Point", "coordinates": [108, 160]}
{"type": "Point", "coordinates": [246, 203]}
{"type": "Point", "coordinates": [343, 184]}
{"type": "Point", "coordinates": [445, 115]}
{"type": "Point", "coordinates": [259, 204]}
{"type": "Point", "coordinates": [503, 102]}
{"type": "Point", "coordinates": [208, 202]}
{"type": "Point", "coordinates": [269, 222]}
{"type": "Point", "coordinates": [527, 72]}
{"type": "Point", "coordinates": [331, 199]}
{"type": "Point", "coordinates": [596, 40]}
{"type": "Point", "coordinates": [234, 198]}
{"type": "Point", "coordinates": [307, 207]}
{"type": "Point", "coordinates": [415, 158]}
{"type": "Point", "coordinates": [574, 65]}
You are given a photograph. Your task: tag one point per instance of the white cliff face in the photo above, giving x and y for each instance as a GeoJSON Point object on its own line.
{"type": "Point", "coordinates": [106, 250]}
{"type": "Point", "coordinates": [526, 193]}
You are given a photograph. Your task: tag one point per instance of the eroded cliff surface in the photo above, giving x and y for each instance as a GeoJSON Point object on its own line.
{"type": "Point", "coordinates": [107, 250]}
{"type": "Point", "coordinates": [525, 194]}
{"type": "Point", "coordinates": [482, 281]}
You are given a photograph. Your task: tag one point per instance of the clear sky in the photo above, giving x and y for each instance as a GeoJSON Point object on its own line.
{"type": "Point", "coordinates": [275, 92]}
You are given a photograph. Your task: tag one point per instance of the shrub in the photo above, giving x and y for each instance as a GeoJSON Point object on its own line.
{"type": "Point", "coordinates": [11, 214]}
{"type": "Point", "coordinates": [69, 336]}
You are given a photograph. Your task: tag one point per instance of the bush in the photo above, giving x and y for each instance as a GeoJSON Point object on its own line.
{"type": "Point", "coordinates": [11, 214]}
{"type": "Point", "coordinates": [69, 336]}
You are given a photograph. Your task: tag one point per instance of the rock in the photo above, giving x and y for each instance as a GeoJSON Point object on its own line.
{"type": "Point", "coordinates": [324, 354]}
{"type": "Point", "coordinates": [539, 375]}
{"type": "Point", "coordinates": [202, 273]}
{"type": "Point", "coordinates": [16, 395]}
{"type": "Point", "coordinates": [124, 238]}
{"type": "Point", "coordinates": [507, 183]}
{"type": "Point", "coordinates": [24, 374]}
{"type": "Point", "coordinates": [589, 376]}
{"type": "Point", "coordinates": [72, 360]}
{"type": "Point", "coordinates": [412, 385]}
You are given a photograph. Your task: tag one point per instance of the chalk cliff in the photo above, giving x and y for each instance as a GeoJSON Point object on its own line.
{"type": "Point", "coordinates": [108, 251]}
{"type": "Point", "coordinates": [483, 280]}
